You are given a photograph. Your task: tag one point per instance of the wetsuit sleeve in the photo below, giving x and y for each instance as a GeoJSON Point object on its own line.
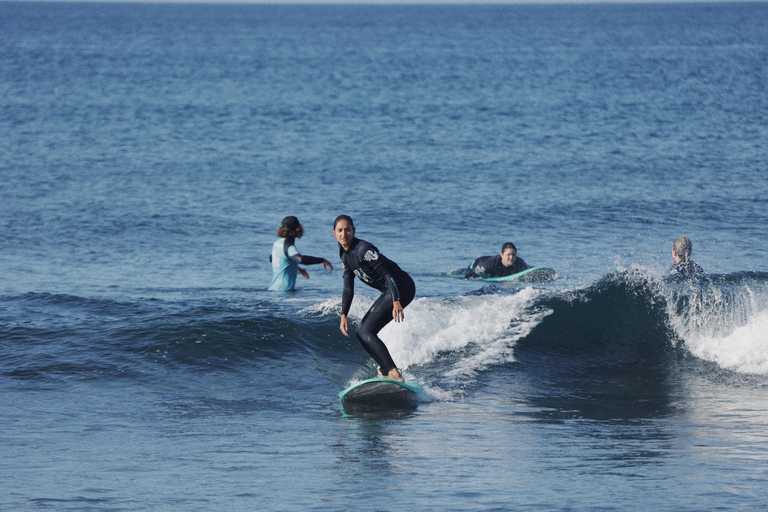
{"type": "Point", "coordinates": [469, 272]}
{"type": "Point", "coordinates": [389, 279]}
{"type": "Point", "coordinates": [394, 290]}
{"type": "Point", "coordinates": [349, 290]}
{"type": "Point", "coordinates": [305, 260]}
{"type": "Point", "coordinates": [483, 266]}
{"type": "Point", "coordinates": [293, 254]}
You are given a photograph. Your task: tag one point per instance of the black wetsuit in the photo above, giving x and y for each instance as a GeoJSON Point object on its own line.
{"type": "Point", "coordinates": [491, 266]}
{"type": "Point", "coordinates": [687, 267]}
{"type": "Point", "coordinates": [374, 269]}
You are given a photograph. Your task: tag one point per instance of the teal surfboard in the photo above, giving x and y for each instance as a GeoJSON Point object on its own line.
{"type": "Point", "coordinates": [385, 390]}
{"type": "Point", "coordinates": [530, 275]}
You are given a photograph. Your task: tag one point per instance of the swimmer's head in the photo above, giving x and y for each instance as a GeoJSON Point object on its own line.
{"type": "Point", "coordinates": [290, 228]}
{"type": "Point", "coordinates": [683, 248]}
{"type": "Point", "coordinates": [508, 254]}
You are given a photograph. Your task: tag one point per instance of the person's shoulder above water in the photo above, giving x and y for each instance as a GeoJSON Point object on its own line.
{"type": "Point", "coordinates": [681, 257]}
{"type": "Point", "coordinates": [687, 267]}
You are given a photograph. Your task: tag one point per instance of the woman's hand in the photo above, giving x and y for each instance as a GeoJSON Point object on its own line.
{"type": "Point", "coordinates": [303, 272]}
{"type": "Point", "coordinates": [327, 264]}
{"type": "Point", "coordinates": [344, 325]}
{"type": "Point", "coordinates": [397, 311]}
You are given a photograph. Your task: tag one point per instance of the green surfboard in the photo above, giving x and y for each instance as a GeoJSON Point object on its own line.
{"type": "Point", "coordinates": [530, 275]}
{"type": "Point", "coordinates": [383, 390]}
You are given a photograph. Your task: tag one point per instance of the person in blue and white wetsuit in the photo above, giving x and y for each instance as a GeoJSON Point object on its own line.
{"type": "Point", "coordinates": [681, 258]}
{"type": "Point", "coordinates": [362, 259]}
{"type": "Point", "coordinates": [286, 259]}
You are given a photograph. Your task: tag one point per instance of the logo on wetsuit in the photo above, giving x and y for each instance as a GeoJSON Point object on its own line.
{"type": "Point", "coordinates": [369, 256]}
{"type": "Point", "coordinates": [363, 276]}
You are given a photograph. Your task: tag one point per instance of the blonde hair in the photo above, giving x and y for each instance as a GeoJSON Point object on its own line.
{"type": "Point", "coordinates": [683, 248]}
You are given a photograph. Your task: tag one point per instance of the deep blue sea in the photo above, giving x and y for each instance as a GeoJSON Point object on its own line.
{"type": "Point", "coordinates": [149, 151]}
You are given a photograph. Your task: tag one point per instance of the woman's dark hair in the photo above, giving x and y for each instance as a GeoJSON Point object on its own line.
{"type": "Point", "coordinates": [508, 245]}
{"type": "Point", "coordinates": [346, 218]}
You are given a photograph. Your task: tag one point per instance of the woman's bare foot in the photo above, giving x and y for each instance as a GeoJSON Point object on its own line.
{"type": "Point", "coordinates": [394, 374]}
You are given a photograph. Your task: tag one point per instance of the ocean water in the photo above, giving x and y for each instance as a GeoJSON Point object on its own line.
{"type": "Point", "coordinates": [148, 153]}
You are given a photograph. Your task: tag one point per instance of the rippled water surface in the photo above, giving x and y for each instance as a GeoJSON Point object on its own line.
{"type": "Point", "coordinates": [148, 153]}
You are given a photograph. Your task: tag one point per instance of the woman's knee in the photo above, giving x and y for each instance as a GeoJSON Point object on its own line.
{"type": "Point", "coordinates": [365, 335]}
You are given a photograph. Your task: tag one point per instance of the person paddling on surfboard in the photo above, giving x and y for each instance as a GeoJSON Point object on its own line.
{"type": "Point", "coordinates": [362, 259]}
{"type": "Point", "coordinates": [505, 263]}
{"type": "Point", "coordinates": [286, 259]}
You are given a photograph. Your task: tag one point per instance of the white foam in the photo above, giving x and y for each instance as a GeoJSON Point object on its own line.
{"type": "Point", "coordinates": [727, 327]}
{"type": "Point", "coordinates": [327, 307]}
{"type": "Point", "coordinates": [488, 325]}
{"type": "Point", "coordinates": [744, 350]}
